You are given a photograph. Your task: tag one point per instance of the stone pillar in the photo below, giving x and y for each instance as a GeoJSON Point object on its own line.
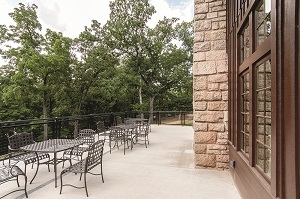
{"type": "Point", "coordinates": [210, 73]}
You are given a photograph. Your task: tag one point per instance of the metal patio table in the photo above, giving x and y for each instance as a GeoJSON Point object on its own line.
{"type": "Point", "coordinates": [53, 146]}
{"type": "Point", "coordinates": [128, 130]}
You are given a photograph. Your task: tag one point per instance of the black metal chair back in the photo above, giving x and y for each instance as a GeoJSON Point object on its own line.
{"type": "Point", "coordinates": [100, 127]}
{"type": "Point", "coordinates": [87, 135]}
{"type": "Point", "coordinates": [94, 157]}
{"type": "Point", "coordinates": [18, 140]}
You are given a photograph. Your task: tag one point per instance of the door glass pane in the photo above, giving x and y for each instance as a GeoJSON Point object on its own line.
{"type": "Point", "coordinates": [245, 43]}
{"type": "Point", "coordinates": [263, 21]}
{"type": "Point", "coordinates": [263, 117]}
{"type": "Point", "coordinates": [245, 107]}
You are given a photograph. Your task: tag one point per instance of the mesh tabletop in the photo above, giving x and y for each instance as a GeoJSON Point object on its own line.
{"type": "Point", "coordinates": [52, 146]}
{"type": "Point", "coordinates": [124, 127]}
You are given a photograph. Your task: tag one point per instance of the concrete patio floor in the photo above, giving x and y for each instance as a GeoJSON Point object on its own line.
{"type": "Point", "coordinates": [164, 170]}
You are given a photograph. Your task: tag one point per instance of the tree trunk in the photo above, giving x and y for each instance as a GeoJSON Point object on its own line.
{"type": "Point", "coordinates": [141, 98]}
{"type": "Point", "coordinates": [45, 115]}
{"type": "Point", "coordinates": [76, 129]}
{"type": "Point", "coordinates": [151, 109]}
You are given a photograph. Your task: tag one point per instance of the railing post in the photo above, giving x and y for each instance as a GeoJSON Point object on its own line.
{"type": "Point", "coordinates": [158, 118]}
{"type": "Point", "coordinates": [56, 129]}
{"type": "Point", "coordinates": [90, 121]}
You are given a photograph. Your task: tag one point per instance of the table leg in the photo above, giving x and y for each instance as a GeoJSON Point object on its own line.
{"type": "Point", "coordinates": [55, 169]}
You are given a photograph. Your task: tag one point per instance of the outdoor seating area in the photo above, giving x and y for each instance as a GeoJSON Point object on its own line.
{"type": "Point", "coordinates": [153, 172]}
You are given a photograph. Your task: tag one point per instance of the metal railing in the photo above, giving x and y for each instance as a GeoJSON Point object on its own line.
{"type": "Point", "coordinates": [68, 126]}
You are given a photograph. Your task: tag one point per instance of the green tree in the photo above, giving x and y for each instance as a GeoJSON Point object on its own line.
{"type": "Point", "coordinates": [96, 61]}
{"type": "Point", "coordinates": [37, 61]}
{"type": "Point", "coordinates": [126, 32]}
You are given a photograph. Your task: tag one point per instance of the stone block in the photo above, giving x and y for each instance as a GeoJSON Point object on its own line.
{"type": "Point", "coordinates": [226, 125]}
{"type": "Point", "coordinates": [199, 17]}
{"type": "Point", "coordinates": [215, 35]}
{"type": "Point", "coordinates": [219, 19]}
{"type": "Point", "coordinates": [223, 166]}
{"type": "Point", "coordinates": [222, 141]}
{"type": "Point", "coordinates": [200, 106]}
{"type": "Point", "coordinates": [200, 83]}
{"type": "Point", "coordinates": [224, 152]}
{"type": "Point", "coordinates": [209, 116]}
{"type": "Point", "coordinates": [205, 137]}
{"type": "Point", "coordinates": [201, 8]}
{"type": "Point", "coordinates": [222, 136]}
{"type": "Point", "coordinates": [218, 45]}
{"type": "Point", "coordinates": [222, 66]}
{"type": "Point", "coordinates": [216, 127]}
{"type": "Point", "coordinates": [207, 96]}
{"type": "Point", "coordinates": [199, 56]}
{"type": "Point", "coordinates": [209, 1]}
{"type": "Point", "coordinates": [205, 160]}
{"type": "Point", "coordinates": [217, 106]}
{"type": "Point", "coordinates": [219, 78]}
{"type": "Point", "coordinates": [215, 152]}
{"type": "Point", "coordinates": [204, 68]}
{"type": "Point", "coordinates": [202, 47]}
{"type": "Point", "coordinates": [218, 8]}
{"type": "Point", "coordinates": [198, 37]}
{"type": "Point", "coordinates": [222, 158]}
{"type": "Point", "coordinates": [225, 116]}
{"type": "Point", "coordinates": [225, 95]}
{"type": "Point", "coordinates": [222, 13]}
{"type": "Point", "coordinates": [215, 25]}
{"type": "Point", "coordinates": [215, 55]}
{"type": "Point", "coordinates": [222, 24]}
{"type": "Point", "coordinates": [200, 148]}
{"type": "Point", "coordinates": [216, 3]}
{"type": "Point", "coordinates": [213, 87]}
{"type": "Point", "coordinates": [224, 86]}
{"type": "Point", "coordinates": [203, 25]}
{"type": "Point", "coordinates": [200, 127]}
{"type": "Point", "coordinates": [216, 147]}
{"type": "Point", "coordinates": [211, 15]}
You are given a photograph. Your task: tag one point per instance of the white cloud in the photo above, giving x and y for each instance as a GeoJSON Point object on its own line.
{"type": "Point", "coordinates": [184, 10]}
{"type": "Point", "coordinates": [70, 16]}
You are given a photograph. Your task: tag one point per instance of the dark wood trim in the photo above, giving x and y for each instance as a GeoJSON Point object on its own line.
{"type": "Point", "coordinates": [247, 178]}
{"type": "Point", "coordinates": [276, 99]}
{"type": "Point", "coordinates": [289, 97]}
{"type": "Point", "coordinates": [283, 46]}
{"type": "Point", "coordinates": [298, 96]}
{"type": "Point", "coordinates": [235, 80]}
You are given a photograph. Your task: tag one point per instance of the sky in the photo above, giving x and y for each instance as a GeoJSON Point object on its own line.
{"type": "Point", "coordinates": [70, 16]}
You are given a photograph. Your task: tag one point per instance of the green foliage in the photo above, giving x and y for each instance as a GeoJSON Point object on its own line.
{"type": "Point", "coordinates": [123, 65]}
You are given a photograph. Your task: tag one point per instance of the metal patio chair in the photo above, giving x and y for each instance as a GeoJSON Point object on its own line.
{"type": "Point", "coordinates": [143, 133]}
{"type": "Point", "coordinates": [10, 173]}
{"type": "Point", "coordinates": [101, 130]}
{"type": "Point", "coordinates": [18, 140]}
{"type": "Point", "coordinates": [115, 136]}
{"type": "Point", "coordinates": [87, 135]}
{"type": "Point", "coordinates": [93, 159]}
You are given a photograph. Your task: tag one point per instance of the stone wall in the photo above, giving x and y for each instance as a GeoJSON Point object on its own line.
{"type": "Point", "coordinates": [210, 72]}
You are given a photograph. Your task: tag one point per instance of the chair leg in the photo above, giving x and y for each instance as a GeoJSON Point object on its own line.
{"type": "Point", "coordinates": [37, 168]}
{"type": "Point", "coordinates": [48, 164]}
{"type": "Point", "coordinates": [25, 188]}
{"type": "Point", "coordinates": [18, 181]}
{"type": "Point", "coordinates": [61, 183]}
{"type": "Point", "coordinates": [87, 195]}
{"type": "Point", "coordinates": [102, 173]}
